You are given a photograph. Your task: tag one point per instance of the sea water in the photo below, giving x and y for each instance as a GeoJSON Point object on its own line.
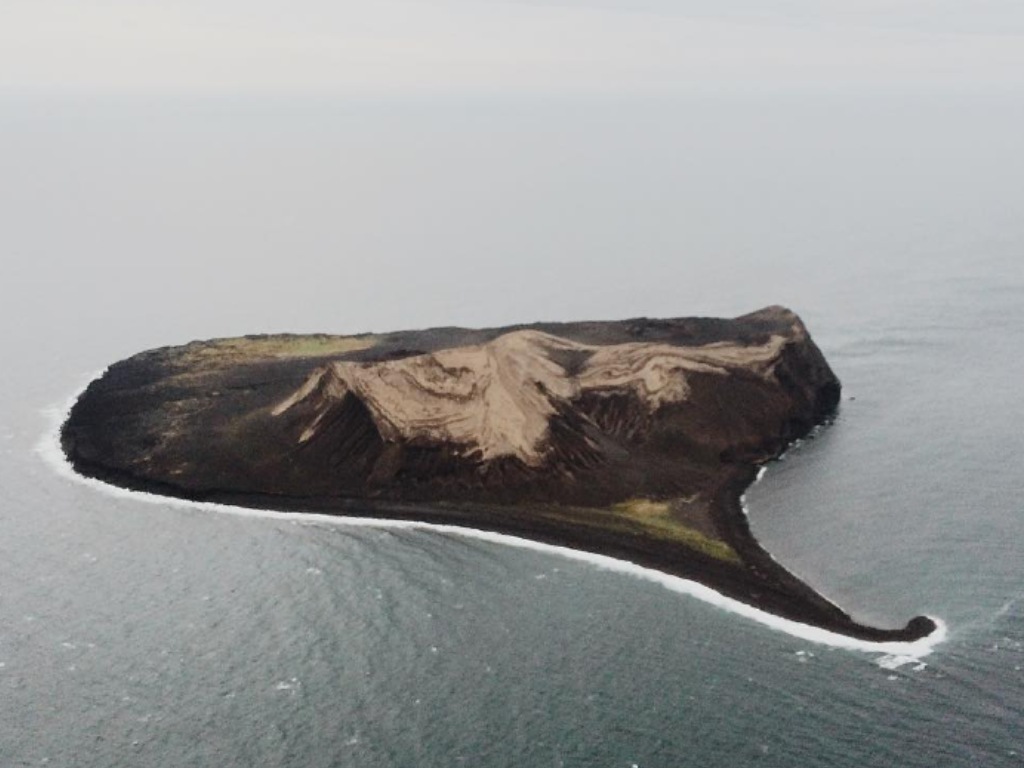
{"type": "Point", "coordinates": [145, 632]}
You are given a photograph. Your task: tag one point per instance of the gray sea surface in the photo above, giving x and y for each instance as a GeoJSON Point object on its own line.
{"type": "Point", "coordinates": [134, 633]}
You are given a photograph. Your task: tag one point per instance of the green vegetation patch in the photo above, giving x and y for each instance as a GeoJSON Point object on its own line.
{"type": "Point", "coordinates": [280, 347]}
{"type": "Point", "coordinates": [656, 516]}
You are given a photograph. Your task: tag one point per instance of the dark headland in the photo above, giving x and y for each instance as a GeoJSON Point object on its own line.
{"type": "Point", "coordinates": [634, 439]}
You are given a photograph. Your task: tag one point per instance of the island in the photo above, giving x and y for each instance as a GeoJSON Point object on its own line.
{"type": "Point", "coordinates": [634, 439]}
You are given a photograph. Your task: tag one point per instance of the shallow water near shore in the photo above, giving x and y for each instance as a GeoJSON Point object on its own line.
{"type": "Point", "coordinates": [156, 634]}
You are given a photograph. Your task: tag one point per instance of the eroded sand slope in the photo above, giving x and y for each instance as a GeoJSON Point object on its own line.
{"type": "Point", "coordinates": [497, 399]}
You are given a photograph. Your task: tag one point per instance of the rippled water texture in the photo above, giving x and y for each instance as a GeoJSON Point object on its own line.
{"type": "Point", "coordinates": [139, 633]}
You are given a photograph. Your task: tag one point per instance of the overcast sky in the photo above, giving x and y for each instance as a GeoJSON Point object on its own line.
{"type": "Point", "coordinates": [531, 46]}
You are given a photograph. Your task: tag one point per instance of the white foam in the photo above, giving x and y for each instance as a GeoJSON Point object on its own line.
{"type": "Point", "coordinates": [49, 449]}
{"type": "Point", "coordinates": [895, 661]}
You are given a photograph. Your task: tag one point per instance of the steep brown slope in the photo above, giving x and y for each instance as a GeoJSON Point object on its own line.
{"type": "Point", "coordinates": [530, 407]}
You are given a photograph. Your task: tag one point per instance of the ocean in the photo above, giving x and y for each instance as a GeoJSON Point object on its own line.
{"type": "Point", "coordinates": [143, 632]}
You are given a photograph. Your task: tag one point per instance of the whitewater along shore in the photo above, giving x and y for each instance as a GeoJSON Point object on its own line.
{"type": "Point", "coordinates": [633, 439]}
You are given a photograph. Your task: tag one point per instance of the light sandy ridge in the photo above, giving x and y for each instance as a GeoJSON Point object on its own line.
{"type": "Point", "coordinates": [497, 399]}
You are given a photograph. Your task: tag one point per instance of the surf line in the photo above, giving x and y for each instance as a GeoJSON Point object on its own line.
{"type": "Point", "coordinates": [49, 449]}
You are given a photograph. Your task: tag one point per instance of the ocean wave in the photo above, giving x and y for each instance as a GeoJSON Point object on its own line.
{"type": "Point", "coordinates": [49, 449]}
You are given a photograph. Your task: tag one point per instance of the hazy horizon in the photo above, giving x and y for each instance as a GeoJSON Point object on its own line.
{"type": "Point", "coordinates": [324, 215]}
{"type": "Point", "coordinates": [453, 46]}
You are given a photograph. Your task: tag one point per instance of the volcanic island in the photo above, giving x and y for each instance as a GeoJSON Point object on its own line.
{"type": "Point", "coordinates": [634, 439]}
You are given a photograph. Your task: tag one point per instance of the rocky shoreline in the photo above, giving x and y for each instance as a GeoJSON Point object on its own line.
{"type": "Point", "coordinates": [304, 424]}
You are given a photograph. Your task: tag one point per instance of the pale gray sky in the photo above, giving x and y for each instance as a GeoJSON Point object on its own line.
{"type": "Point", "coordinates": [430, 46]}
